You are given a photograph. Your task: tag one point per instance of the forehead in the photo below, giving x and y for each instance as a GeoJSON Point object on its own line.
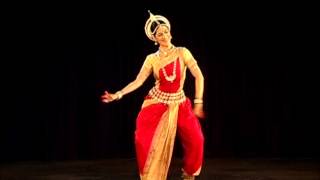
{"type": "Point", "coordinates": [162, 28]}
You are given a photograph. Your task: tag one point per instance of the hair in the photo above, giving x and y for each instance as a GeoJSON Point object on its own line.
{"type": "Point", "coordinates": [155, 25]}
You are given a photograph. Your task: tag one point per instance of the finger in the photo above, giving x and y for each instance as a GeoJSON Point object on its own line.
{"type": "Point", "coordinates": [105, 97]}
{"type": "Point", "coordinates": [105, 101]}
{"type": "Point", "coordinates": [109, 97]}
{"type": "Point", "coordinates": [202, 115]}
{"type": "Point", "coordinates": [106, 93]}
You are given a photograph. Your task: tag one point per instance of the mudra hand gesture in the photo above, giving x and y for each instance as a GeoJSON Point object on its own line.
{"type": "Point", "coordinates": [198, 110]}
{"type": "Point", "coordinates": [109, 97]}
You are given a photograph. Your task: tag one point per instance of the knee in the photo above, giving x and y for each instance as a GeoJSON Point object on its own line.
{"type": "Point", "coordinates": [137, 140]}
{"type": "Point", "coordinates": [200, 139]}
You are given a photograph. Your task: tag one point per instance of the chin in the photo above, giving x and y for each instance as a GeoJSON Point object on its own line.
{"type": "Point", "coordinates": [165, 43]}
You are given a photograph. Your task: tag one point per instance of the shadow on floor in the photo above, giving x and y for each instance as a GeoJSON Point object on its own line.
{"type": "Point", "coordinates": [126, 169]}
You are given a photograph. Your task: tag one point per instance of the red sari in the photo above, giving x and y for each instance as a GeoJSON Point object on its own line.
{"type": "Point", "coordinates": [159, 120]}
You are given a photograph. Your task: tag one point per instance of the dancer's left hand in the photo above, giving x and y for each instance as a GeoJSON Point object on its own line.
{"type": "Point", "coordinates": [198, 111]}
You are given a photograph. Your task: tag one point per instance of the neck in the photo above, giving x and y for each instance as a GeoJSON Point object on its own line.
{"type": "Point", "coordinates": [166, 50]}
{"type": "Point", "coordinates": [166, 47]}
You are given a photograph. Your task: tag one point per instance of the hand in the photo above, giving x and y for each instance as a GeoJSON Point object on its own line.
{"type": "Point", "coordinates": [108, 97]}
{"type": "Point", "coordinates": [198, 110]}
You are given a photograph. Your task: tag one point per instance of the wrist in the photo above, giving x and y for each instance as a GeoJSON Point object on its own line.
{"type": "Point", "coordinates": [198, 101]}
{"type": "Point", "coordinates": [119, 95]}
{"type": "Point", "coordinates": [198, 105]}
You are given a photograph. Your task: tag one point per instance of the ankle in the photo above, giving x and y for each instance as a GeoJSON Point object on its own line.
{"type": "Point", "coordinates": [185, 176]}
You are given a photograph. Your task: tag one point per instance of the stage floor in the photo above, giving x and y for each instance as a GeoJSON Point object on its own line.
{"type": "Point", "coordinates": [126, 169]}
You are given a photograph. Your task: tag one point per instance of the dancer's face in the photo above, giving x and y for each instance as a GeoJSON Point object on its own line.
{"type": "Point", "coordinates": [163, 35]}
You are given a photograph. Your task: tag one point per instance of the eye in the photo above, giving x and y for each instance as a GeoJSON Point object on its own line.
{"type": "Point", "coordinates": [159, 35]}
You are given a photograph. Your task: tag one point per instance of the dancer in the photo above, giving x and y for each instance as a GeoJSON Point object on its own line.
{"type": "Point", "coordinates": [165, 109]}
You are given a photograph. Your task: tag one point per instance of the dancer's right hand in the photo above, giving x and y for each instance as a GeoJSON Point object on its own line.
{"type": "Point", "coordinates": [108, 97]}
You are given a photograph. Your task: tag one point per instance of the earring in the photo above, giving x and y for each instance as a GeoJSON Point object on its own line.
{"type": "Point", "coordinates": [155, 43]}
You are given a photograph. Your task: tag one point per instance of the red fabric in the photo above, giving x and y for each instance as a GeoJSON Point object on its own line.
{"type": "Point", "coordinates": [191, 137]}
{"type": "Point", "coordinates": [146, 124]}
{"type": "Point", "coordinates": [189, 131]}
{"type": "Point", "coordinates": [167, 86]}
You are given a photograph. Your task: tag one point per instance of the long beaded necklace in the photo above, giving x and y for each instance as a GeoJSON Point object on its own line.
{"type": "Point", "coordinates": [174, 73]}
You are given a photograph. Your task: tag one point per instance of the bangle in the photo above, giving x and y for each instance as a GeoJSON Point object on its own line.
{"type": "Point", "coordinates": [119, 94]}
{"type": "Point", "coordinates": [197, 101]}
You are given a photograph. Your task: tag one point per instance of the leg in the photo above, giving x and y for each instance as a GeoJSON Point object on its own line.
{"type": "Point", "coordinates": [146, 124]}
{"type": "Point", "coordinates": [190, 133]}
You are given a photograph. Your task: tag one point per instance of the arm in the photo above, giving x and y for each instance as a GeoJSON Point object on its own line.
{"type": "Point", "coordinates": [140, 79]}
{"type": "Point", "coordinates": [199, 82]}
{"type": "Point", "coordinates": [199, 86]}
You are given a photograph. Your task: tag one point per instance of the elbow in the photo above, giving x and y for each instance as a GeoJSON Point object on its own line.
{"type": "Point", "coordinates": [138, 83]}
{"type": "Point", "coordinates": [200, 77]}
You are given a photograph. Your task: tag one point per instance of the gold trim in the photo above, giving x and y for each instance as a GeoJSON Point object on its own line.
{"type": "Point", "coordinates": [165, 97]}
{"type": "Point", "coordinates": [197, 172]}
{"type": "Point", "coordinates": [186, 176]}
{"type": "Point", "coordinates": [158, 63]}
{"type": "Point", "coordinates": [160, 153]}
{"type": "Point", "coordinates": [148, 102]}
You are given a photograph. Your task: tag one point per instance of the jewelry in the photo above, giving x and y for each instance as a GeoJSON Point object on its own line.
{"type": "Point", "coordinates": [198, 101]}
{"type": "Point", "coordinates": [119, 94]}
{"type": "Point", "coordinates": [158, 19]}
{"type": "Point", "coordinates": [174, 73]}
{"type": "Point", "coordinates": [166, 52]}
{"type": "Point", "coordinates": [165, 97]}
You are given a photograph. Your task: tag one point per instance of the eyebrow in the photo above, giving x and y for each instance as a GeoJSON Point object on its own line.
{"type": "Point", "coordinates": [159, 34]}
{"type": "Point", "coordinates": [163, 31]}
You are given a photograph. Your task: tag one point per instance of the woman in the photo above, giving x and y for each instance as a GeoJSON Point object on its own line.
{"type": "Point", "coordinates": [166, 110]}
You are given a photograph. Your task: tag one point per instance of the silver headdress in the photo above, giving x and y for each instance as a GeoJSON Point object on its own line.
{"type": "Point", "coordinates": [157, 19]}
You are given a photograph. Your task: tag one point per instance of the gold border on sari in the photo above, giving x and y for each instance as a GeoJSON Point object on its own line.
{"type": "Point", "coordinates": [160, 152]}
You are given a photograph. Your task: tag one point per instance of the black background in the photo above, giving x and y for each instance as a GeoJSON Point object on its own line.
{"type": "Point", "coordinates": [260, 78]}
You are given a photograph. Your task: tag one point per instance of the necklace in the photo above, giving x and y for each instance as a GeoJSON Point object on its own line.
{"type": "Point", "coordinates": [166, 52]}
{"type": "Point", "coordinates": [173, 76]}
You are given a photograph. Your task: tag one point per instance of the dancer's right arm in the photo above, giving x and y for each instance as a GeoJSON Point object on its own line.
{"type": "Point", "coordinates": [144, 73]}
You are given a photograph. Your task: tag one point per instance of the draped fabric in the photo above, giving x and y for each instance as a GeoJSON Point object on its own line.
{"type": "Point", "coordinates": [158, 124]}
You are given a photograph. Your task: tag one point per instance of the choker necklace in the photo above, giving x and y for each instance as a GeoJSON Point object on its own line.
{"type": "Point", "coordinates": [166, 52]}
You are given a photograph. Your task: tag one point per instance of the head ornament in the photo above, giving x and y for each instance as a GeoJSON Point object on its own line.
{"type": "Point", "coordinates": [155, 19]}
